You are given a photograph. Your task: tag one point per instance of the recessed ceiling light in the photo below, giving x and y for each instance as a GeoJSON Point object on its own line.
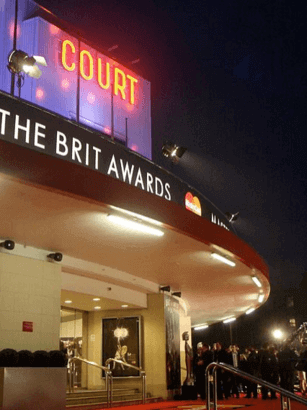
{"type": "Point", "coordinates": [134, 226]}
{"type": "Point", "coordinates": [97, 307]}
{"type": "Point", "coordinates": [257, 281]}
{"type": "Point", "coordinates": [133, 214]}
{"type": "Point", "coordinates": [200, 327]}
{"type": "Point", "coordinates": [261, 298]}
{"type": "Point", "coordinates": [68, 301]}
{"type": "Point", "coordinates": [223, 259]}
{"type": "Point", "coordinates": [231, 319]}
{"type": "Point", "coordinates": [96, 299]}
{"type": "Point", "coordinates": [124, 306]}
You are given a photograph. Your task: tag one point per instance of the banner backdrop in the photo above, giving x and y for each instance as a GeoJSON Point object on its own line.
{"type": "Point", "coordinates": [172, 327]}
{"type": "Point", "coordinates": [121, 341]}
{"type": "Point", "coordinates": [31, 127]}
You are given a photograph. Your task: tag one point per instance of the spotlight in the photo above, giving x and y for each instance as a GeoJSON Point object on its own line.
{"type": "Point", "coordinates": [173, 151]}
{"type": "Point", "coordinates": [232, 217]}
{"type": "Point", "coordinates": [9, 245]}
{"type": "Point", "coordinates": [21, 62]}
{"type": "Point", "coordinates": [178, 294]}
{"type": "Point", "coordinates": [165, 288]}
{"type": "Point", "coordinates": [55, 256]}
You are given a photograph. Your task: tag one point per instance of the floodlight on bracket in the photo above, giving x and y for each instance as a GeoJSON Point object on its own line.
{"type": "Point", "coordinates": [20, 63]}
{"type": "Point", "coordinates": [232, 217]}
{"type": "Point", "coordinates": [172, 151]}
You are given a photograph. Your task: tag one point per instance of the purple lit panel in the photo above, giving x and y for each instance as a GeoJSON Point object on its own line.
{"type": "Point", "coordinates": [95, 102]}
{"type": "Point", "coordinates": [7, 8]}
{"type": "Point", "coordinates": [56, 89]}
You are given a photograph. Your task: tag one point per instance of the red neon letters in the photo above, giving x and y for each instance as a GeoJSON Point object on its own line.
{"type": "Point", "coordinates": [122, 81]}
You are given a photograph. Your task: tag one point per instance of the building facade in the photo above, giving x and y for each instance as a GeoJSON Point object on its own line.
{"type": "Point", "coordinates": [77, 180]}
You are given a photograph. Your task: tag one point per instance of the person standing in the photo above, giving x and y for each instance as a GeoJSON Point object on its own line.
{"type": "Point", "coordinates": [198, 368]}
{"type": "Point", "coordinates": [221, 356]}
{"type": "Point", "coordinates": [268, 369]}
{"type": "Point", "coordinates": [234, 361]}
{"type": "Point", "coordinates": [287, 360]}
{"type": "Point", "coordinates": [203, 359]}
{"type": "Point", "coordinates": [253, 368]}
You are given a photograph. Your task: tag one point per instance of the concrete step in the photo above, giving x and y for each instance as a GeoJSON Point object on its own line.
{"type": "Point", "coordinates": [115, 403]}
{"type": "Point", "coordinates": [81, 392]}
{"type": "Point", "coordinates": [97, 397]}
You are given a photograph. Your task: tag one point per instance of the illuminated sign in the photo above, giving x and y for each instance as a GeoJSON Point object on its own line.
{"type": "Point", "coordinates": [123, 84]}
{"type": "Point", "coordinates": [33, 128]}
{"type": "Point", "coordinates": [192, 203]}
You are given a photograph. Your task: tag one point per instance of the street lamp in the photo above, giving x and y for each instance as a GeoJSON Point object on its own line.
{"type": "Point", "coordinates": [277, 334]}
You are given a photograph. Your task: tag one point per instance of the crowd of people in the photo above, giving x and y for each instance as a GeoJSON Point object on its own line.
{"type": "Point", "coordinates": [276, 366]}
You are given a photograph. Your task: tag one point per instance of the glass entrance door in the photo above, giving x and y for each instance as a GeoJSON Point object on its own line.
{"type": "Point", "coordinates": [71, 338]}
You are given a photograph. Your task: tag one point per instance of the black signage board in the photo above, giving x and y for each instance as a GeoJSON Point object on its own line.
{"type": "Point", "coordinates": [32, 127]}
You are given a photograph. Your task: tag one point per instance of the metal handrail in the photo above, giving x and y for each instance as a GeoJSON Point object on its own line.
{"type": "Point", "coordinates": [88, 362]}
{"type": "Point", "coordinates": [108, 361]}
{"type": "Point", "coordinates": [143, 374]}
{"type": "Point", "coordinates": [109, 376]}
{"type": "Point", "coordinates": [283, 393]}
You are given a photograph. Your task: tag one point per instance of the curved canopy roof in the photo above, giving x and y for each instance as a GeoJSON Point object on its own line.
{"type": "Point", "coordinates": [53, 205]}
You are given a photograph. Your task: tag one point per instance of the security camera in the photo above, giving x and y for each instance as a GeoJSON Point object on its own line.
{"type": "Point", "coordinates": [9, 245]}
{"type": "Point", "coordinates": [56, 256]}
{"type": "Point", "coordinates": [165, 288]}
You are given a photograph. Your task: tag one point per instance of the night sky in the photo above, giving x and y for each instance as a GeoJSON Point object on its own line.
{"type": "Point", "coordinates": [229, 83]}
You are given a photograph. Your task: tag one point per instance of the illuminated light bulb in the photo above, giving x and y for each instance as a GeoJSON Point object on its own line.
{"type": "Point", "coordinates": [65, 83]}
{"type": "Point", "coordinates": [107, 130]}
{"type": "Point", "coordinates": [12, 29]}
{"type": "Point", "coordinates": [39, 94]}
{"type": "Point", "coordinates": [91, 98]}
{"type": "Point", "coordinates": [54, 29]}
{"type": "Point", "coordinates": [134, 147]}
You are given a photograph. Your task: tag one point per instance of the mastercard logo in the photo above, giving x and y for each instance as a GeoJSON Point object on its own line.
{"type": "Point", "coordinates": [192, 203]}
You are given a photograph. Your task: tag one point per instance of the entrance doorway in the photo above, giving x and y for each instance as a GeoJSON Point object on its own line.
{"type": "Point", "coordinates": [71, 338]}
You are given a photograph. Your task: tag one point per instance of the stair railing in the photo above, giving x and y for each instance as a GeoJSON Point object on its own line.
{"type": "Point", "coordinates": [109, 376]}
{"type": "Point", "coordinates": [285, 395]}
{"type": "Point", "coordinates": [142, 373]}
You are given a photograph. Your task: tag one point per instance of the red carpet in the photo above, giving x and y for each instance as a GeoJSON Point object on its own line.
{"type": "Point", "coordinates": [241, 403]}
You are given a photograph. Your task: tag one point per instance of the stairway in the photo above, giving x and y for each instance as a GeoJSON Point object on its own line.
{"type": "Point", "coordinates": [93, 397]}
